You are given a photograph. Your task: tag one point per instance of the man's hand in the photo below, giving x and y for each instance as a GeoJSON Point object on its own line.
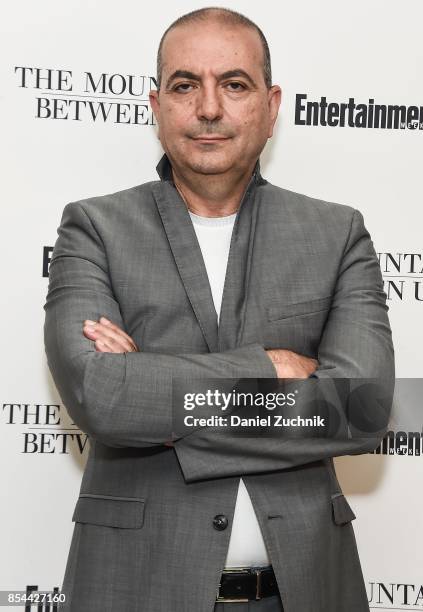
{"type": "Point", "coordinates": [108, 337]}
{"type": "Point", "coordinates": [292, 365]}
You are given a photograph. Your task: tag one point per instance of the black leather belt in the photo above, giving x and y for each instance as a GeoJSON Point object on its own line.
{"type": "Point", "coordinates": [244, 584]}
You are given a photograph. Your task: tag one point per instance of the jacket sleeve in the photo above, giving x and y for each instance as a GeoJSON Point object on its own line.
{"type": "Point", "coordinates": [356, 344]}
{"type": "Point", "coordinates": [121, 399]}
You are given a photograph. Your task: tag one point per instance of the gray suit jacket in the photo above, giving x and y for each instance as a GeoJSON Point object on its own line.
{"type": "Point", "coordinates": [303, 275]}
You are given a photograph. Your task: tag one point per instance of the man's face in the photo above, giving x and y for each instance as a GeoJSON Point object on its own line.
{"type": "Point", "coordinates": [213, 87]}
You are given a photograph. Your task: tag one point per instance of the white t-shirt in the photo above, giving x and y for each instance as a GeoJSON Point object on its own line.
{"type": "Point", "coordinates": [246, 544]}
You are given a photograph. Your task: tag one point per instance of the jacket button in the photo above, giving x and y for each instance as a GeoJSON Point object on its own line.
{"type": "Point", "coordinates": [220, 522]}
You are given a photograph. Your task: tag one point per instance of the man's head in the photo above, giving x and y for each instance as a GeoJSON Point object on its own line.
{"type": "Point", "coordinates": [214, 79]}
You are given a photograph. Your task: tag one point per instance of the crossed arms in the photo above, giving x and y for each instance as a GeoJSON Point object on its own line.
{"type": "Point", "coordinates": [125, 398]}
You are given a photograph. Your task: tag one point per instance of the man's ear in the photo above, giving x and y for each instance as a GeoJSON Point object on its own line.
{"type": "Point", "coordinates": [155, 103]}
{"type": "Point", "coordinates": [274, 101]}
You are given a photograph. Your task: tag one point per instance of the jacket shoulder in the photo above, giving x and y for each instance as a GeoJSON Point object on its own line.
{"type": "Point", "coordinates": [307, 206]}
{"type": "Point", "coordinates": [126, 198]}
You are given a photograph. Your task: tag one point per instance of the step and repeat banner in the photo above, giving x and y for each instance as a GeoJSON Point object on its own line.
{"type": "Point", "coordinates": [76, 122]}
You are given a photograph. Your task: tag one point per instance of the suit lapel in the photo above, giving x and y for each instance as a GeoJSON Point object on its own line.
{"type": "Point", "coordinates": [189, 260]}
{"type": "Point", "coordinates": [237, 279]}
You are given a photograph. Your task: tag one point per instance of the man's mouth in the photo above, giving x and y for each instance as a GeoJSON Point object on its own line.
{"type": "Point", "coordinates": [210, 138]}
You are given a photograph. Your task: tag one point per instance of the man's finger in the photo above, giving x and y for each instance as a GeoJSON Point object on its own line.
{"type": "Point", "coordinates": [113, 340]}
{"type": "Point", "coordinates": [102, 343]}
{"type": "Point", "coordinates": [116, 335]}
{"type": "Point", "coordinates": [109, 324]}
{"type": "Point", "coordinates": [112, 326]}
{"type": "Point", "coordinates": [101, 347]}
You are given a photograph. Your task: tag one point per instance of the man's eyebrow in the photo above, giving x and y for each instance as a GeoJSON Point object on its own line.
{"type": "Point", "coordinates": [238, 72]}
{"type": "Point", "coordinates": [186, 74]}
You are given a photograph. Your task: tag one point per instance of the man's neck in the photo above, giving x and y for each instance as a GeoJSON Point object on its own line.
{"type": "Point", "coordinates": [211, 195]}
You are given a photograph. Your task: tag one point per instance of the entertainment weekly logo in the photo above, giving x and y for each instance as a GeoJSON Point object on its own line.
{"type": "Point", "coordinates": [89, 97]}
{"type": "Point", "coordinates": [403, 443]}
{"type": "Point", "coordinates": [354, 114]}
{"type": "Point", "coordinates": [41, 429]}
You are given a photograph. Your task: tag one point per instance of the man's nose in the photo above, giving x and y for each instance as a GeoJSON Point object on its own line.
{"type": "Point", "coordinates": [209, 103]}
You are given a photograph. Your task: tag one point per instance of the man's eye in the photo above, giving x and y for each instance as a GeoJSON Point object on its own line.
{"type": "Point", "coordinates": [182, 87]}
{"type": "Point", "coordinates": [235, 86]}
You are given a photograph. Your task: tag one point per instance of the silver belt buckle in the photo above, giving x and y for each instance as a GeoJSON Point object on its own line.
{"type": "Point", "coordinates": [237, 570]}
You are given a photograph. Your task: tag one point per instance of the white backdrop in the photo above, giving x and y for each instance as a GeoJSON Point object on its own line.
{"type": "Point", "coordinates": [365, 50]}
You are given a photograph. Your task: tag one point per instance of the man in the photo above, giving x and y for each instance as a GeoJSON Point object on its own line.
{"type": "Point", "coordinates": [210, 272]}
